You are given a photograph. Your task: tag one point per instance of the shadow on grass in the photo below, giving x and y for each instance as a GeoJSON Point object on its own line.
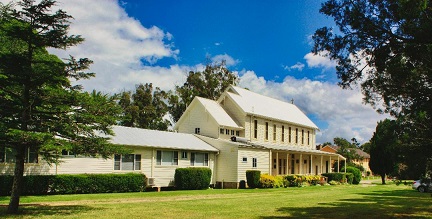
{"type": "Point", "coordinates": [387, 204]}
{"type": "Point", "coordinates": [36, 210]}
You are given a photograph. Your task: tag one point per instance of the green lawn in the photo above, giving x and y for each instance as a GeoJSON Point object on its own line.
{"type": "Point", "coordinates": [346, 201]}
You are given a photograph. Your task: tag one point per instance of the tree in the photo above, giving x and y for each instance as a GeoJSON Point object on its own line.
{"type": "Point", "coordinates": [383, 149]}
{"type": "Point", "coordinates": [210, 83]}
{"type": "Point", "coordinates": [347, 149]}
{"type": "Point", "coordinates": [145, 108]}
{"type": "Point", "coordinates": [386, 47]}
{"type": "Point", "coordinates": [40, 110]}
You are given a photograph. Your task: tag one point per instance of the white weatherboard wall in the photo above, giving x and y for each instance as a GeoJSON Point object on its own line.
{"type": "Point", "coordinates": [198, 117]}
{"type": "Point", "coordinates": [226, 160]}
{"type": "Point", "coordinates": [263, 159]}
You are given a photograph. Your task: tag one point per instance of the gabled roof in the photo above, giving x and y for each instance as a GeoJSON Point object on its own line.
{"type": "Point", "coordinates": [158, 139]}
{"type": "Point", "coordinates": [213, 108]}
{"type": "Point", "coordinates": [260, 105]}
{"type": "Point", "coordinates": [217, 112]}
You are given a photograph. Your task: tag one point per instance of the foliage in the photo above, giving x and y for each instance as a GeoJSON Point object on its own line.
{"type": "Point", "coordinates": [384, 149]}
{"type": "Point", "coordinates": [339, 177]}
{"type": "Point", "coordinates": [356, 174]}
{"type": "Point", "coordinates": [209, 83]}
{"type": "Point", "coordinates": [347, 149]}
{"type": "Point", "coordinates": [77, 184]}
{"type": "Point", "coordinates": [145, 108]}
{"type": "Point", "coordinates": [269, 181]}
{"type": "Point", "coordinates": [192, 178]}
{"type": "Point", "coordinates": [253, 178]}
{"type": "Point", "coordinates": [386, 47]}
{"type": "Point", "coordinates": [39, 106]}
{"type": "Point", "coordinates": [301, 180]}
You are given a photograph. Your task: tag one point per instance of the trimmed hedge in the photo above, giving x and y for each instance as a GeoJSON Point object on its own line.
{"type": "Point", "coordinates": [76, 184]}
{"type": "Point", "coordinates": [253, 178]}
{"type": "Point", "coordinates": [357, 174]}
{"type": "Point", "coordinates": [269, 181]}
{"type": "Point", "coordinates": [339, 177]}
{"type": "Point", "coordinates": [192, 178]}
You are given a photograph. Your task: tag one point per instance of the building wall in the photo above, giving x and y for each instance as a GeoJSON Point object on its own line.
{"type": "Point", "coordinates": [262, 156]}
{"type": "Point", "coordinates": [198, 117]}
{"type": "Point", "coordinates": [163, 175]}
{"type": "Point", "coordinates": [226, 160]}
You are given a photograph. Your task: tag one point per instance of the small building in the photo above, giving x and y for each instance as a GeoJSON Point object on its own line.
{"type": "Point", "coordinates": [363, 160]}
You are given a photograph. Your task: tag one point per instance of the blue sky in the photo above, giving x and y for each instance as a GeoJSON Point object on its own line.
{"type": "Point", "coordinates": [266, 43]}
{"type": "Point", "coordinates": [266, 36]}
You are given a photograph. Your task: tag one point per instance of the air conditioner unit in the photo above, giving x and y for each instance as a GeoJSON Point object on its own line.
{"type": "Point", "coordinates": [151, 181]}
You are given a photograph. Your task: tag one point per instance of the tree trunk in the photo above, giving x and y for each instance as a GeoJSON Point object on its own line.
{"type": "Point", "coordinates": [383, 176]}
{"type": "Point", "coordinates": [17, 181]}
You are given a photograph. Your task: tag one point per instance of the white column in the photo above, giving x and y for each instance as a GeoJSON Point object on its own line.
{"type": "Point", "coordinates": [321, 165]}
{"type": "Point", "coordinates": [330, 165]}
{"type": "Point", "coordinates": [311, 164]}
{"type": "Point", "coordinates": [270, 163]}
{"type": "Point", "coordinates": [277, 163]}
{"type": "Point", "coordinates": [287, 163]}
{"type": "Point", "coordinates": [301, 164]}
{"type": "Point", "coordinates": [338, 165]}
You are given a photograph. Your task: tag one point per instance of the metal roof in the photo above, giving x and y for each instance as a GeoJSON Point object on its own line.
{"type": "Point", "coordinates": [158, 139]}
{"type": "Point", "coordinates": [260, 105]}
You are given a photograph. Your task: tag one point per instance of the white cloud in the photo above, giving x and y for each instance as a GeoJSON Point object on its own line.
{"type": "Point", "coordinates": [118, 45]}
{"type": "Point", "coordinates": [230, 61]}
{"type": "Point", "coordinates": [298, 66]}
{"type": "Point", "coordinates": [319, 61]}
{"type": "Point", "coordinates": [342, 110]}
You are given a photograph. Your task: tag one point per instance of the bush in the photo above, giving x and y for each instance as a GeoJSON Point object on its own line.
{"type": "Point", "coordinates": [268, 181]}
{"type": "Point", "coordinates": [192, 178]}
{"type": "Point", "coordinates": [253, 178]}
{"type": "Point", "coordinates": [349, 178]}
{"type": "Point", "coordinates": [294, 180]}
{"type": "Point", "coordinates": [357, 174]}
{"type": "Point", "coordinates": [339, 177]}
{"type": "Point", "coordinates": [74, 184]}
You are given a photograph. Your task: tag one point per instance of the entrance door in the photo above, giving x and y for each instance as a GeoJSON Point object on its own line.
{"type": "Point", "coordinates": [282, 166]}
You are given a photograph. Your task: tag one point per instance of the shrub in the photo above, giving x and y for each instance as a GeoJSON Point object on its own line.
{"type": "Point", "coordinates": [269, 181]}
{"type": "Point", "coordinates": [79, 183]}
{"type": "Point", "coordinates": [192, 178]}
{"type": "Point", "coordinates": [349, 178]}
{"type": "Point", "coordinates": [294, 180]}
{"type": "Point", "coordinates": [253, 178]}
{"type": "Point", "coordinates": [357, 174]}
{"type": "Point", "coordinates": [339, 177]}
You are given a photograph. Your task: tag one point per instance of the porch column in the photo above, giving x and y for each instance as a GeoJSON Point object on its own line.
{"type": "Point", "coordinates": [301, 164]}
{"type": "Point", "coordinates": [270, 162]}
{"type": "Point", "coordinates": [311, 165]}
{"type": "Point", "coordinates": [287, 163]}
{"type": "Point", "coordinates": [338, 165]}
{"type": "Point", "coordinates": [330, 164]}
{"type": "Point", "coordinates": [277, 163]}
{"type": "Point", "coordinates": [321, 165]}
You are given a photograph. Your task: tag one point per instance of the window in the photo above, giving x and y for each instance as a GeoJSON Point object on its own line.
{"type": "Point", "coordinates": [308, 142]}
{"type": "Point", "coordinates": [127, 162]}
{"type": "Point", "coordinates": [67, 153]}
{"type": "Point", "coordinates": [226, 131]}
{"type": "Point", "coordinates": [274, 132]}
{"type": "Point", "coordinates": [255, 128]}
{"type": "Point", "coordinates": [302, 136]}
{"type": "Point", "coordinates": [199, 159]}
{"type": "Point", "coordinates": [232, 132]}
{"type": "Point", "coordinates": [296, 137]}
{"type": "Point", "coordinates": [254, 162]}
{"type": "Point", "coordinates": [7, 155]}
{"type": "Point", "coordinates": [197, 130]}
{"type": "Point", "coordinates": [184, 155]}
{"type": "Point", "coordinates": [221, 131]}
{"type": "Point", "coordinates": [167, 158]}
{"type": "Point", "coordinates": [283, 134]}
{"type": "Point", "coordinates": [237, 133]}
{"type": "Point", "coordinates": [266, 131]}
{"type": "Point", "coordinates": [244, 159]}
{"type": "Point", "coordinates": [289, 134]}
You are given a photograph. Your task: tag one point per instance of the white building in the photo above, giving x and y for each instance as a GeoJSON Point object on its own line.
{"type": "Point", "coordinates": [240, 131]}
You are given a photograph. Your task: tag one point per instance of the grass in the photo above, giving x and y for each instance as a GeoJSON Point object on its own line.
{"type": "Point", "coordinates": [346, 201]}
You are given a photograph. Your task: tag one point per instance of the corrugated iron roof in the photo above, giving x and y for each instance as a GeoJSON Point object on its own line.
{"type": "Point", "coordinates": [257, 104]}
{"type": "Point", "coordinates": [158, 139]}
